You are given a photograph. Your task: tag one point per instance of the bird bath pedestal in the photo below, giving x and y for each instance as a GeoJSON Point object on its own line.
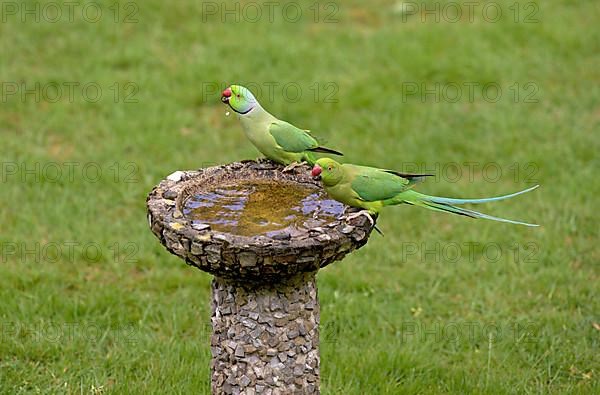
{"type": "Point", "coordinates": [265, 311]}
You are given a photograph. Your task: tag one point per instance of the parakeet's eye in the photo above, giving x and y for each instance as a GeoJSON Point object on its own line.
{"type": "Point", "coordinates": [329, 167]}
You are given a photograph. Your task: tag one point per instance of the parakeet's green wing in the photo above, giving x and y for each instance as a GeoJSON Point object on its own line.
{"type": "Point", "coordinates": [373, 185]}
{"type": "Point", "coordinates": [290, 138]}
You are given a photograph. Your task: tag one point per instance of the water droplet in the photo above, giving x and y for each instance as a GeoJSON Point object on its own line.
{"type": "Point", "coordinates": [227, 113]}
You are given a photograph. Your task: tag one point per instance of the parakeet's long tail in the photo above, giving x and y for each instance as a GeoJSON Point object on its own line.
{"type": "Point", "coordinates": [309, 155]}
{"type": "Point", "coordinates": [326, 150]}
{"type": "Point", "coordinates": [449, 205]}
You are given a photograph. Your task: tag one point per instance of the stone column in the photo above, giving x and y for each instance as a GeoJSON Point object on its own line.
{"type": "Point", "coordinates": [265, 336]}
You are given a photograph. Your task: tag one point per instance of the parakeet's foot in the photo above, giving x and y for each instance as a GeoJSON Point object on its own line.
{"type": "Point", "coordinates": [366, 213]}
{"type": "Point", "coordinates": [292, 166]}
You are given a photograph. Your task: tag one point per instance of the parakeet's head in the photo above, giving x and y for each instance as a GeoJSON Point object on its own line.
{"type": "Point", "coordinates": [239, 98]}
{"type": "Point", "coordinates": [328, 171]}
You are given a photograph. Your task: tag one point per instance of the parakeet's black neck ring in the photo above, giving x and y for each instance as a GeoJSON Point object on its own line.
{"type": "Point", "coordinates": [239, 112]}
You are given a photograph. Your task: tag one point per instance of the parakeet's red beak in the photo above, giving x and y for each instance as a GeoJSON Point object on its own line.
{"type": "Point", "coordinates": [316, 172]}
{"type": "Point", "coordinates": [226, 95]}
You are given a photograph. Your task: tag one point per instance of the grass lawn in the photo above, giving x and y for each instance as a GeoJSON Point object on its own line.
{"type": "Point", "coordinates": [96, 109]}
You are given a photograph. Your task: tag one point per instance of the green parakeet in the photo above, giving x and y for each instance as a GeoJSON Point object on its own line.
{"type": "Point", "coordinates": [276, 139]}
{"type": "Point", "coordinates": [372, 189]}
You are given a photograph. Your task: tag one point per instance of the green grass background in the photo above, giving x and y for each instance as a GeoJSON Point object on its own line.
{"type": "Point", "coordinates": [135, 319]}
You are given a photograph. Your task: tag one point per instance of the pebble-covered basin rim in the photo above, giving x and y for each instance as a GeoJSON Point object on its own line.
{"type": "Point", "coordinates": [256, 258]}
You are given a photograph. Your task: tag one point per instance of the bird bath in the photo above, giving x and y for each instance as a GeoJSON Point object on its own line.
{"type": "Point", "coordinates": [263, 234]}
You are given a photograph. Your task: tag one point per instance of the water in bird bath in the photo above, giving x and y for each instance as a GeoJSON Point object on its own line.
{"type": "Point", "coordinates": [262, 207]}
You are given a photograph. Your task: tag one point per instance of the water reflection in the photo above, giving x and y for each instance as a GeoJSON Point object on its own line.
{"type": "Point", "coordinates": [262, 207]}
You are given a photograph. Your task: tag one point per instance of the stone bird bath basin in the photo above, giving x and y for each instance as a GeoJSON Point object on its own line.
{"type": "Point", "coordinates": [263, 235]}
